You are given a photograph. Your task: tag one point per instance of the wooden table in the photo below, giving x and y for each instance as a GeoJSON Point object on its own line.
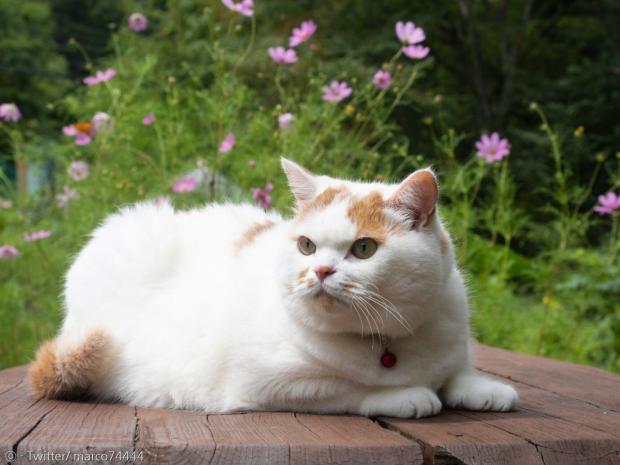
{"type": "Point", "coordinates": [568, 414]}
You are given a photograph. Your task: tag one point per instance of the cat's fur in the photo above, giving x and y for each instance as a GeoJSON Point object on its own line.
{"type": "Point", "coordinates": [217, 309]}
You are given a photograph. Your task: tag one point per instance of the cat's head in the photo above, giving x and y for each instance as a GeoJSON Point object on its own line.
{"type": "Point", "coordinates": [364, 257]}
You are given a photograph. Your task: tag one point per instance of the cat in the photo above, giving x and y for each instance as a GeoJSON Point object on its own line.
{"type": "Point", "coordinates": [354, 305]}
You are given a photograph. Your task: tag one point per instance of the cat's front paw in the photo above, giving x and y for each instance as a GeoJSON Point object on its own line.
{"type": "Point", "coordinates": [476, 392]}
{"type": "Point", "coordinates": [416, 402]}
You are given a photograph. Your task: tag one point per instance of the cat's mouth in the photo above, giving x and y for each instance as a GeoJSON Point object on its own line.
{"type": "Point", "coordinates": [323, 291]}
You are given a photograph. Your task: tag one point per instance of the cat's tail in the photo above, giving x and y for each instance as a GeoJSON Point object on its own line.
{"type": "Point", "coordinates": [68, 372]}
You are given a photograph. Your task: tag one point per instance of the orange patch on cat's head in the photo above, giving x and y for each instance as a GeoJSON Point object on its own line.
{"type": "Point", "coordinates": [368, 214]}
{"type": "Point", "coordinates": [251, 233]}
{"type": "Point", "coordinates": [323, 200]}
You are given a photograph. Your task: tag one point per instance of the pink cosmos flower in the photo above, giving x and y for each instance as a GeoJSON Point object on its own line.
{"type": "Point", "coordinates": [37, 235]}
{"type": "Point", "coordinates": [84, 132]}
{"type": "Point", "coordinates": [302, 33]}
{"type": "Point", "coordinates": [62, 199]}
{"type": "Point", "coordinates": [8, 252]}
{"type": "Point", "coordinates": [408, 33]}
{"type": "Point", "coordinates": [285, 121]}
{"type": "Point", "coordinates": [101, 122]}
{"type": "Point", "coordinates": [9, 112]}
{"type": "Point", "coordinates": [336, 91]}
{"type": "Point", "coordinates": [492, 148]}
{"type": "Point", "coordinates": [99, 77]}
{"type": "Point", "coordinates": [137, 22]}
{"type": "Point", "coordinates": [78, 170]}
{"type": "Point", "coordinates": [244, 7]}
{"type": "Point", "coordinates": [83, 139]}
{"type": "Point", "coordinates": [382, 79]}
{"type": "Point", "coordinates": [281, 55]}
{"type": "Point", "coordinates": [148, 119]}
{"type": "Point", "coordinates": [607, 204]}
{"type": "Point", "coordinates": [184, 184]}
{"type": "Point", "coordinates": [411, 36]}
{"type": "Point", "coordinates": [228, 143]}
{"type": "Point", "coordinates": [261, 196]}
{"type": "Point", "coordinates": [416, 52]}
{"type": "Point", "coordinates": [4, 203]}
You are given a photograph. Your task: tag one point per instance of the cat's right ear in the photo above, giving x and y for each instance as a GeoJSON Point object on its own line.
{"type": "Point", "coordinates": [300, 180]}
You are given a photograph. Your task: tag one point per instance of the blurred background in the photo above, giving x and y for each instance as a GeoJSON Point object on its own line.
{"type": "Point", "coordinates": [103, 104]}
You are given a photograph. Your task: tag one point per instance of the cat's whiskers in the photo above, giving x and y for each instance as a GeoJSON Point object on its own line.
{"type": "Point", "coordinates": [356, 306]}
{"type": "Point", "coordinates": [389, 308]}
{"type": "Point", "coordinates": [367, 304]}
{"type": "Point", "coordinates": [371, 299]}
{"type": "Point", "coordinates": [359, 317]}
{"type": "Point", "coordinates": [370, 313]}
{"type": "Point", "coordinates": [358, 303]}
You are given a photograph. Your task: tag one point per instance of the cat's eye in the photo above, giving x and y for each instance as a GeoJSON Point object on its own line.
{"type": "Point", "coordinates": [305, 245]}
{"type": "Point", "coordinates": [364, 247]}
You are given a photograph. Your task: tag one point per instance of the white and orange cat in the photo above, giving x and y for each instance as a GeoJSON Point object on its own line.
{"type": "Point", "coordinates": [355, 305]}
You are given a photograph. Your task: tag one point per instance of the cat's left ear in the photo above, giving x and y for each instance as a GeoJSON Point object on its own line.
{"type": "Point", "coordinates": [300, 180]}
{"type": "Point", "coordinates": [417, 197]}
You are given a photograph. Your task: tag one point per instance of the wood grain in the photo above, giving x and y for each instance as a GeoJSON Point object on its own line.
{"type": "Point", "coordinates": [567, 415]}
{"type": "Point", "coordinates": [568, 408]}
{"type": "Point", "coordinates": [19, 413]}
{"type": "Point", "coordinates": [558, 441]}
{"type": "Point", "coordinates": [103, 431]}
{"type": "Point", "coordinates": [590, 385]}
{"type": "Point", "coordinates": [453, 438]}
{"type": "Point", "coordinates": [11, 377]}
{"type": "Point", "coordinates": [174, 437]}
{"type": "Point", "coordinates": [286, 438]}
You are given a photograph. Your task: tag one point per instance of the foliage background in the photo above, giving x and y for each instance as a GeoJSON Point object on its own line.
{"type": "Point", "coordinates": [542, 268]}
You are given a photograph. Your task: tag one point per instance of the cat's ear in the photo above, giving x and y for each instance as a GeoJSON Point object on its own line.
{"type": "Point", "coordinates": [300, 180]}
{"type": "Point", "coordinates": [416, 197]}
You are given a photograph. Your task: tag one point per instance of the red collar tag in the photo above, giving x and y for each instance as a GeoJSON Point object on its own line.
{"type": "Point", "coordinates": [388, 359]}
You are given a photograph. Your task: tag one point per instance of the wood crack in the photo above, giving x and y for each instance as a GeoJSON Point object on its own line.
{"type": "Point", "coordinates": [304, 426]}
{"type": "Point", "coordinates": [574, 422]}
{"type": "Point", "coordinates": [212, 439]}
{"type": "Point", "coordinates": [29, 431]}
{"type": "Point", "coordinates": [542, 457]}
{"type": "Point", "coordinates": [13, 387]}
{"type": "Point", "coordinates": [534, 443]}
{"type": "Point", "coordinates": [136, 434]}
{"type": "Point", "coordinates": [431, 455]}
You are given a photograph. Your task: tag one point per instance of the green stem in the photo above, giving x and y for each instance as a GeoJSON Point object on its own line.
{"type": "Point", "coordinates": [249, 48]}
{"type": "Point", "coordinates": [613, 239]}
{"type": "Point", "coordinates": [278, 83]}
{"type": "Point", "coordinates": [469, 203]}
{"type": "Point", "coordinates": [541, 331]}
{"type": "Point", "coordinates": [46, 260]}
{"type": "Point", "coordinates": [560, 177]}
{"type": "Point", "coordinates": [162, 152]}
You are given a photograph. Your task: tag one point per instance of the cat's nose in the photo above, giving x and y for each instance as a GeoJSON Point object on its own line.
{"type": "Point", "coordinates": [323, 272]}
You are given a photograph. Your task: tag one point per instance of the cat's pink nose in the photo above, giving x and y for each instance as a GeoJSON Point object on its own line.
{"type": "Point", "coordinates": [323, 272]}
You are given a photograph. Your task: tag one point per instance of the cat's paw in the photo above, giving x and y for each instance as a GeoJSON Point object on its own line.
{"type": "Point", "coordinates": [476, 392]}
{"type": "Point", "coordinates": [416, 402]}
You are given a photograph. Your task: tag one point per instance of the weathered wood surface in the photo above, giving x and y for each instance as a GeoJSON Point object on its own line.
{"type": "Point", "coordinates": [568, 414]}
